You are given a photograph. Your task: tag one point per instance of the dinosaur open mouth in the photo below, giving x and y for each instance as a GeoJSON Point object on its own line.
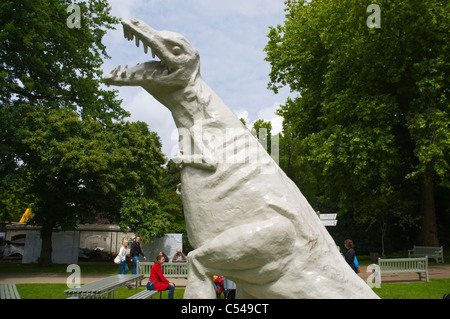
{"type": "Point", "coordinates": [141, 71]}
{"type": "Point", "coordinates": [156, 67]}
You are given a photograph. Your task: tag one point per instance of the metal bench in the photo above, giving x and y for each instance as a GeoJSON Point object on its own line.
{"type": "Point", "coordinates": [9, 291]}
{"type": "Point", "coordinates": [170, 270]}
{"type": "Point", "coordinates": [403, 265]}
{"type": "Point", "coordinates": [146, 294]}
{"type": "Point", "coordinates": [432, 252]}
{"type": "Point", "coordinates": [104, 287]}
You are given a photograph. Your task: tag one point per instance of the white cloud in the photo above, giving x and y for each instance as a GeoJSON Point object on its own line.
{"type": "Point", "coordinates": [242, 114]}
{"type": "Point", "coordinates": [268, 114]}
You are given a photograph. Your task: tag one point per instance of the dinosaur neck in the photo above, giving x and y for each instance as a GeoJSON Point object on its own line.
{"type": "Point", "coordinates": [198, 102]}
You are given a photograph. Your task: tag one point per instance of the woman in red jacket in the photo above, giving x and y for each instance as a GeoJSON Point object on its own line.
{"type": "Point", "coordinates": [157, 277]}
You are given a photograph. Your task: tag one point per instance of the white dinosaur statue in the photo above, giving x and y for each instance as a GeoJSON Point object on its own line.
{"type": "Point", "coordinates": [245, 218]}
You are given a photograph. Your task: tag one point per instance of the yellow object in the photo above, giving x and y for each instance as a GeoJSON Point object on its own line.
{"type": "Point", "coordinates": [26, 216]}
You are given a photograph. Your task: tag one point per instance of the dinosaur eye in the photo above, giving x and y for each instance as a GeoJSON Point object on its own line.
{"type": "Point", "coordinates": [176, 50]}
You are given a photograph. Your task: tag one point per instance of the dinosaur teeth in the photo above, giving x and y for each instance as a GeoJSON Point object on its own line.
{"type": "Point", "coordinates": [137, 42]}
{"type": "Point", "coordinates": [114, 72]}
{"type": "Point", "coordinates": [145, 49]}
{"type": "Point", "coordinates": [123, 74]}
{"type": "Point", "coordinates": [111, 74]}
{"type": "Point", "coordinates": [132, 75]}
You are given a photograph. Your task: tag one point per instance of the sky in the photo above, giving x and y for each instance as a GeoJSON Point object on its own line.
{"type": "Point", "coordinates": [230, 36]}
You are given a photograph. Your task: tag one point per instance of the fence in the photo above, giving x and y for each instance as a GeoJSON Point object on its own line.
{"type": "Point", "coordinates": [170, 270]}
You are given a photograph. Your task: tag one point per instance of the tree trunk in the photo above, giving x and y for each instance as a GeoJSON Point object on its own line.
{"type": "Point", "coordinates": [46, 249]}
{"type": "Point", "coordinates": [383, 234]}
{"type": "Point", "coordinates": [428, 235]}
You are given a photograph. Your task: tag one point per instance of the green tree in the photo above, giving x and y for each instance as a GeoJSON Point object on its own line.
{"type": "Point", "coordinates": [371, 119]}
{"type": "Point", "coordinates": [144, 217]}
{"type": "Point", "coordinates": [170, 200]}
{"type": "Point", "coordinates": [154, 216]}
{"type": "Point", "coordinates": [155, 213]}
{"type": "Point", "coordinates": [14, 198]}
{"type": "Point", "coordinates": [80, 167]}
{"type": "Point", "coordinates": [64, 141]}
{"type": "Point", "coordinates": [45, 62]}
{"type": "Point", "coordinates": [263, 132]}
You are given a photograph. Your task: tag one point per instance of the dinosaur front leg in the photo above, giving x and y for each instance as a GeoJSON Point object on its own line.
{"type": "Point", "coordinates": [249, 254]}
{"type": "Point", "coordinates": [200, 284]}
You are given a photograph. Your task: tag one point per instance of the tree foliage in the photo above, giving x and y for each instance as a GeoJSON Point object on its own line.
{"type": "Point", "coordinates": [370, 122]}
{"type": "Point", "coordinates": [65, 145]}
{"type": "Point", "coordinates": [154, 216]}
{"type": "Point", "coordinates": [262, 130]}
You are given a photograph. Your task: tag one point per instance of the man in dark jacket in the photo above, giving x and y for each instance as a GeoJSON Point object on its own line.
{"type": "Point", "coordinates": [135, 251]}
{"type": "Point", "coordinates": [350, 254]}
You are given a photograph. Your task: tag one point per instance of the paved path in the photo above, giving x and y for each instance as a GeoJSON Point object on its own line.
{"type": "Point", "coordinates": [441, 271]}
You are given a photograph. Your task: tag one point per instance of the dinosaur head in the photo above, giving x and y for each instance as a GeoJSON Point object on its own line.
{"type": "Point", "coordinates": [178, 60]}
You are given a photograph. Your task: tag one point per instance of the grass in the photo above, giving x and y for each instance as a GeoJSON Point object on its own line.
{"type": "Point", "coordinates": [56, 291]}
{"type": "Point", "coordinates": [435, 289]}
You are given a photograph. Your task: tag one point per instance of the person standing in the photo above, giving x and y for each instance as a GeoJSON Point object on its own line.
{"type": "Point", "coordinates": [123, 267]}
{"type": "Point", "coordinates": [350, 254]}
{"type": "Point", "coordinates": [166, 259]}
{"type": "Point", "coordinates": [135, 251]}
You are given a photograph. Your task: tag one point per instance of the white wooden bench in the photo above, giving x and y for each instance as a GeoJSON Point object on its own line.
{"type": "Point", "coordinates": [9, 291]}
{"type": "Point", "coordinates": [170, 270]}
{"type": "Point", "coordinates": [432, 252]}
{"type": "Point", "coordinates": [403, 265]}
{"type": "Point", "coordinates": [146, 294]}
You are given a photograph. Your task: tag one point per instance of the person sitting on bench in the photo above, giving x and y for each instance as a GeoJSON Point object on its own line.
{"type": "Point", "coordinates": [157, 278]}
